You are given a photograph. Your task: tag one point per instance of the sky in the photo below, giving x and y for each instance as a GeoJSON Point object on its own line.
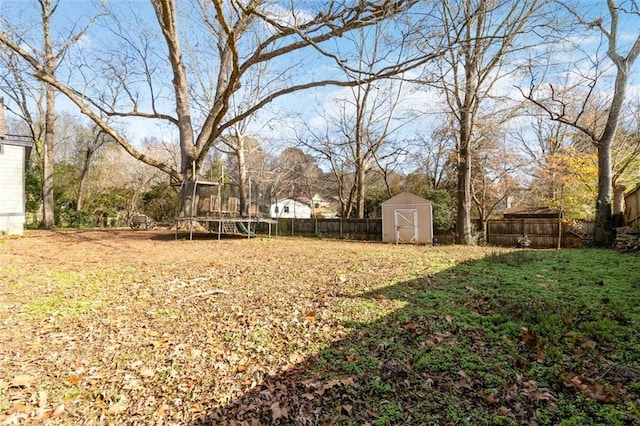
{"type": "Point", "coordinates": [276, 120]}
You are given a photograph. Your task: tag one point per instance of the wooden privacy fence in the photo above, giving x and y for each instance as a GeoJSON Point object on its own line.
{"type": "Point", "coordinates": [543, 233]}
{"type": "Point", "coordinates": [352, 229]}
{"type": "Point", "coordinates": [632, 211]}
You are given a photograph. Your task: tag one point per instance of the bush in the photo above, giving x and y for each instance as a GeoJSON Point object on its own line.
{"type": "Point", "coordinates": [161, 203]}
{"type": "Point", "coordinates": [68, 216]}
{"type": "Point", "coordinates": [442, 209]}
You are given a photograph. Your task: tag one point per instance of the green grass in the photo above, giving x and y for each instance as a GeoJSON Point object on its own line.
{"type": "Point", "coordinates": [553, 336]}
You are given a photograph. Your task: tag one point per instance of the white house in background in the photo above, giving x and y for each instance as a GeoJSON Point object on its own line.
{"type": "Point", "coordinates": [288, 208]}
{"type": "Point", "coordinates": [13, 159]}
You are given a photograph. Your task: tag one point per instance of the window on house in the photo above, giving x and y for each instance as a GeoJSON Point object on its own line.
{"type": "Point", "coordinates": [316, 205]}
{"type": "Point", "coordinates": [286, 209]}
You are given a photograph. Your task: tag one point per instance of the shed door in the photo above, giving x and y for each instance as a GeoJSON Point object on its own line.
{"type": "Point", "coordinates": [406, 225]}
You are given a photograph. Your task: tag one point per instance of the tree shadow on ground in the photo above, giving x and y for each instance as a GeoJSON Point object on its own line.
{"type": "Point", "coordinates": [469, 346]}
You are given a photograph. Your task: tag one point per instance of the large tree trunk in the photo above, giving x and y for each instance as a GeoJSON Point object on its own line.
{"type": "Point", "coordinates": [48, 202]}
{"type": "Point", "coordinates": [463, 222]}
{"type": "Point", "coordinates": [603, 233]}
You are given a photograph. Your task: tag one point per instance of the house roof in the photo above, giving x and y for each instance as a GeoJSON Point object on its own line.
{"type": "Point", "coordinates": [15, 140]}
{"type": "Point", "coordinates": [530, 213]}
{"type": "Point", "coordinates": [406, 197]}
{"type": "Point", "coordinates": [289, 200]}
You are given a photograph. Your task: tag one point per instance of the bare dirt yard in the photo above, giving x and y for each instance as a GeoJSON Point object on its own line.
{"type": "Point", "coordinates": [136, 327]}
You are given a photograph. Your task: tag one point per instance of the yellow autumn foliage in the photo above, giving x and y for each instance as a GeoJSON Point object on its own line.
{"type": "Point", "coordinates": [573, 177]}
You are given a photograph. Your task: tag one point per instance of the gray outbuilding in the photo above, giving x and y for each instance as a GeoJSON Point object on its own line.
{"type": "Point", "coordinates": [407, 218]}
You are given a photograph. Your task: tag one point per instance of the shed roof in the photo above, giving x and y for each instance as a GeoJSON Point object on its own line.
{"type": "Point", "coordinates": [530, 213]}
{"type": "Point", "coordinates": [406, 197]}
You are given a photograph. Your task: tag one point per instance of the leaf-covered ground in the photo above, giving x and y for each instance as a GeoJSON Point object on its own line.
{"type": "Point", "coordinates": [125, 327]}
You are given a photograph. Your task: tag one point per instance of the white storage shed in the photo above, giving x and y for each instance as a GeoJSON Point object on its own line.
{"type": "Point", "coordinates": [407, 218]}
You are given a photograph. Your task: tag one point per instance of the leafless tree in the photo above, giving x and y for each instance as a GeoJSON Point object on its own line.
{"type": "Point", "coordinates": [494, 177]}
{"type": "Point", "coordinates": [484, 35]}
{"type": "Point", "coordinates": [90, 141]}
{"type": "Point", "coordinates": [433, 155]}
{"type": "Point", "coordinates": [49, 52]}
{"type": "Point", "coordinates": [362, 124]}
{"type": "Point", "coordinates": [555, 104]}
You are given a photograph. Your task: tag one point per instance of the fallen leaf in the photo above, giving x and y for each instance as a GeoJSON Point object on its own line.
{"type": "Point", "coordinates": [21, 381]}
{"type": "Point", "coordinates": [600, 393]}
{"type": "Point", "coordinates": [160, 412]}
{"type": "Point", "coordinates": [147, 372]}
{"type": "Point", "coordinates": [13, 419]}
{"type": "Point", "coordinates": [43, 413]}
{"type": "Point", "coordinates": [43, 396]}
{"type": "Point", "coordinates": [74, 379]}
{"type": "Point", "coordinates": [347, 409]}
{"type": "Point", "coordinates": [278, 412]}
{"type": "Point", "coordinates": [310, 317]}
{"type": "Point", "coordinates": [296, 358]}
{"type": "Point", "coordinates": [438, 337]}
{"type": "Point", "coordinates": [529, 338]}
{"type": "Point", "coordinates": [448, 318]}
{"type": "Point", "coordinates": [410, 326]}
{"type": "Point", "coordinates": [347, 381]}
{"type": "Point", "coordinates": [463, 384]}
{"type": "Point", "coordinates": [18, 408]}
{"type": "Point", "coordinates": [503, 411]}
{"type": "Point", "coordinates": [58, 411]}
{"type": "Point", "coordinates": [132, 384]}
{"type": "Point", "coordinates": [159, 343]}
{"type": "Point", "coordinates": [491, 399]}
{"type": "Point", "coordinates": [116, 408]}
